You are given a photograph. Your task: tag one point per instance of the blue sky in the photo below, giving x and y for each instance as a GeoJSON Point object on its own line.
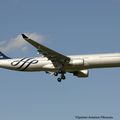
{"type": "Point", "coordinates": [70, 27]}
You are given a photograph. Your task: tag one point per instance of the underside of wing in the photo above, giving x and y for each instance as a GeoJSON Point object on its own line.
{"type": "Point", "coordinates": [55, 57]}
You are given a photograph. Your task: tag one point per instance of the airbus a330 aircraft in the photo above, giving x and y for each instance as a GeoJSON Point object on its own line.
{"type": "Point", "coordinates": [56, 63]}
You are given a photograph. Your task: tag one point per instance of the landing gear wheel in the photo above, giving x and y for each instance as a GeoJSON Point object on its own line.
{"type": "Point", "coordinates": [63, 77]}
{"type": "Point", "coordinates": [56, 74]}
{"type": "Point", "coordinates": [59, 79]}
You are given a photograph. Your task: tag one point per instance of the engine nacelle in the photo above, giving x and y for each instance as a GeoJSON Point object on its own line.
{"type": "Point", "coordinates": [77, 62]}
{"type": "Point", "coordinates": [81, 73]}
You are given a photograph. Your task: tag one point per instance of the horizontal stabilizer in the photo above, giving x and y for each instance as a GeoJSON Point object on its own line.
{"type": "Point", "coordinates": [2, 56]}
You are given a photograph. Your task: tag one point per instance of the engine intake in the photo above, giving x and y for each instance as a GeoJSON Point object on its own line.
{"type": "Point", "coordinates": [81, 73]}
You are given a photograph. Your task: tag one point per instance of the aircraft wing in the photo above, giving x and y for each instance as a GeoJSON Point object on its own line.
{"type": "Point", "coordinates": [55, 57]}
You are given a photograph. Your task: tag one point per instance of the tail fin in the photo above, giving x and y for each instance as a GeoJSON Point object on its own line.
{"type": "Point", "coordinates": [2, 56]}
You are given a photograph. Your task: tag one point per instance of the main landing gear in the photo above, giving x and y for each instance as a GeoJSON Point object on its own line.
{"type": "Point", "coordinates": [62, 76]}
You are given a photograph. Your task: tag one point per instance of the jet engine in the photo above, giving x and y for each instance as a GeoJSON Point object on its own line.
{"type": "Point", "coordinates": [81, 73]}
{"type": "Point", "coordinates": [77, 62]}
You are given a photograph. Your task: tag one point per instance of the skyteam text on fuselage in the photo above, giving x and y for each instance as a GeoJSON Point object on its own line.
{"type": "Point", "coordinates": [56, 63]}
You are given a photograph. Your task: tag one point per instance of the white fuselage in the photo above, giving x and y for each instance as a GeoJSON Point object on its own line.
{"type": "Point", "coordinates": [78, 62]}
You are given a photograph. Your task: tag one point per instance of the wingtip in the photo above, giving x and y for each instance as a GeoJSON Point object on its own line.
{"type": "Point", "coordinates": [24, 36]}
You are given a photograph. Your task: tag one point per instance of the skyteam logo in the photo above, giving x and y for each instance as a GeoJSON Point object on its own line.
{"type": "Point", "coordinates": [24, 63]}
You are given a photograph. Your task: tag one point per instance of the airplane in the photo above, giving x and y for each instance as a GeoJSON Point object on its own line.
{"type": "Point", "coordinates": [56, 63]}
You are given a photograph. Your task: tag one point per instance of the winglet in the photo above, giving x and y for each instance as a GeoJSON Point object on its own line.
{"type": "Point", "coordinates": [24, 36]}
